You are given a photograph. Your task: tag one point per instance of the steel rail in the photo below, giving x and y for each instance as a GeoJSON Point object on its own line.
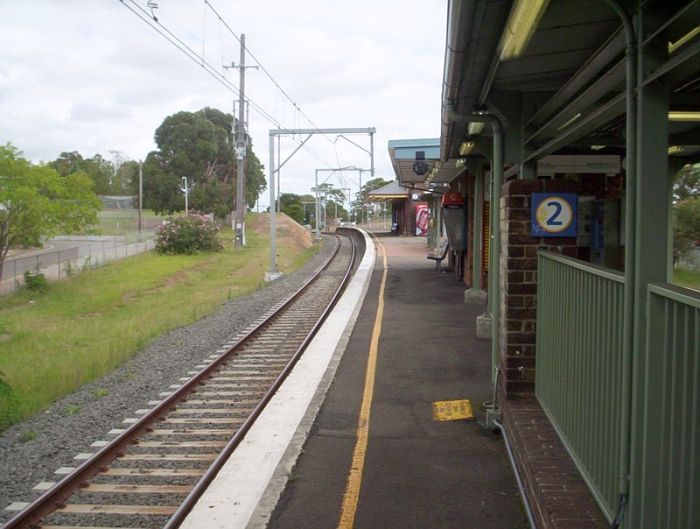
{"type": "Point", "coordinates": [188, 503]}
{"type": "Point", "coordinates": [54, 498]}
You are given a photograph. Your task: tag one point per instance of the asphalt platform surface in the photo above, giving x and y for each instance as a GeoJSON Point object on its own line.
{"type": "Point", "coordinates": [419, 473]}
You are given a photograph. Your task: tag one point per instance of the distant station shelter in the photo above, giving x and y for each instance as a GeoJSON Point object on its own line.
{"type": "Point", "coordinates": [394, 198]}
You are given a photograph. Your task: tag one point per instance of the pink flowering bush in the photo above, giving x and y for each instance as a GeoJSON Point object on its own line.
{"type": "Point", "coordinates": [188, 234]}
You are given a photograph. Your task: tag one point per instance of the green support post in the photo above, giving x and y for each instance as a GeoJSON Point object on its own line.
{"type": "Point", "coordinates": [652, 215]}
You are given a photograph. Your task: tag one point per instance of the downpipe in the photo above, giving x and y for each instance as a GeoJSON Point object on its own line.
{"type": "Point", "coordinates": [493, 422]}
{"type": "Point", "coordinates": [521, 488]}
{"type": "Point", "coordinates": [630, 272]}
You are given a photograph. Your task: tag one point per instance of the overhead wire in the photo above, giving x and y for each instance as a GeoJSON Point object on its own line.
{"type": "Point", "coordinates": [156, 25]}
{"type": "Point", "coordinates": [266, 72]}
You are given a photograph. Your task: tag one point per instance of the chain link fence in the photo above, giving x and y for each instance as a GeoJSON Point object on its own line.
{"type": "Point", "coordinates": [87, 252]}
{"type": "Point", "coordinates": [691, 261]}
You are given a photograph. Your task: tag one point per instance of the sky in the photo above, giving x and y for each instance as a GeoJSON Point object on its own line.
{"type": "Point", "coordinates": [90, 76]}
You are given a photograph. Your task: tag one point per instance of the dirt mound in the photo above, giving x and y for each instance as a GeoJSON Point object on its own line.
{"type": "Point", "coordinates": [294, 234]}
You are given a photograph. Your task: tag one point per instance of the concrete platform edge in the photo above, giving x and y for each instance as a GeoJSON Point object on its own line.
{"type": "Point", "coordinates": [268, 501]}
{"type": "Point", "coordinates": [261, 465]}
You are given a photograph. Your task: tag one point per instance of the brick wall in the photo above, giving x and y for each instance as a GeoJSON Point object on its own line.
{"type": "Point", "coordinates": [556, 492]}
{"type": "Point", "coordinates": [518, 270]}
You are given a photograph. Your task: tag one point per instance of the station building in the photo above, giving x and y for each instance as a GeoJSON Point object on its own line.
{"type": "Point", "coordinates": [563, 126]}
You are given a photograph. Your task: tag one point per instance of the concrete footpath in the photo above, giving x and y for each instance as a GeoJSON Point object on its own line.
{"type": "Point", "coordinates": [418, 472]}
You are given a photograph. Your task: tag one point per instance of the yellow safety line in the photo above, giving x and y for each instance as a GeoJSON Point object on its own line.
{"type": "Point", "coordinates": [352, 489]}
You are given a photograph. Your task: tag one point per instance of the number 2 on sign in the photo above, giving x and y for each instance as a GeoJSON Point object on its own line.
{"type": "Point", "coordinates": [552, 221]}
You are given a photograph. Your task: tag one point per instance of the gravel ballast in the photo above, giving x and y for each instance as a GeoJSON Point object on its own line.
{"type": "Point", "coordinates": [73, 423]}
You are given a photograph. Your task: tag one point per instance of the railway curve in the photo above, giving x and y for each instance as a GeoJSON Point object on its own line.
{"type": "Point", "coordinates": [152, 473]}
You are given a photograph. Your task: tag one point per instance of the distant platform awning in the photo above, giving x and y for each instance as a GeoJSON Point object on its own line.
{"type": "Point", "coordinates": [388, 192]}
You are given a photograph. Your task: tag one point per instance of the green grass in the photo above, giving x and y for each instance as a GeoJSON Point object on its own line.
{"type": "Point", "coordinates": [79, 329]}
{"type": "Point", "coordinates": [687, 278]}
{"type": "Point", "coordinates": [99, 393]}
{"type": "Point", "coordinates": [28, 436]}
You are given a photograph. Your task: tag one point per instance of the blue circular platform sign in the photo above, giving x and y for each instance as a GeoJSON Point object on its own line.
{"type": "Point", "coordinates": [554, 215]}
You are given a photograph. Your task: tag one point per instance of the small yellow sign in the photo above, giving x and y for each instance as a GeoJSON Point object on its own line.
{"type": "Point", "coordinates": [452, 410]}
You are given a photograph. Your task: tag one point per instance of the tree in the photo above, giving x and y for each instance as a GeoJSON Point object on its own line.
{"type": "Point", "coordinates": [255, 179]}
{"type": "Point", "coordinates": [291, 204]}
{"type": "Point", "coordinates": [370, 185]}
{"type": "Point", "coordinates": [686, 227]}
{"type": "Point", "coordinates": [333, 199]}
{"type": "Point", "coordinates": [98, 169]}
{"type": "Point", "coordinates": [687, 183]}
{"type": "Point", "coordinates": [36, 201]}
{"type": "Point", "coordinates": [327, 189]}
{"type": "Point", "coordinates": [125, 180]}
{"type": "Point", "coordinates": [198, 145]}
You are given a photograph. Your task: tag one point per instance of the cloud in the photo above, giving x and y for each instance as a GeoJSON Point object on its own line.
{"type": "Point", "coordinates": [90, 76]}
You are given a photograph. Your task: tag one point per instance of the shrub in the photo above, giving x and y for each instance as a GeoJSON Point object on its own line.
{"type": "Point", "coordinates": [189, 234]}
{"type": "Point", "coordinates": [35, 280]}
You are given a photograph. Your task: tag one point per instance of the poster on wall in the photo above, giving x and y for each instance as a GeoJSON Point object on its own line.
{"type": "Point", "coordinates": [422, 219]}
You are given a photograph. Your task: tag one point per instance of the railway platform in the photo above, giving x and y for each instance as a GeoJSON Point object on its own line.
{"type": "Point", "coordinates": [413, 471]}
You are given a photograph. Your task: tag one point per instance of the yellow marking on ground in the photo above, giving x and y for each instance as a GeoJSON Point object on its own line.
{"type": "Point", "coordinates": [452, 410]}
{"type": "Point", "coordinates": [354, 482]}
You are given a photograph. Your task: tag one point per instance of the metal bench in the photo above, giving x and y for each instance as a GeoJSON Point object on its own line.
{"type": "Point", "coordinates": [440, 256]}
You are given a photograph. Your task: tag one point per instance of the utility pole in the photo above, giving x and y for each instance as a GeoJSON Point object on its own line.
{"type": "Point", "coordinates": [239, 210]}
{"type": "Point", "coordinates": [140, 193]}
{"type": "Point", "coordinates": [240, 154]}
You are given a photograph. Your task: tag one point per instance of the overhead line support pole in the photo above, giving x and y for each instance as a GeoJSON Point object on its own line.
{"type": "Point", "coordinates": [241, 154]}
{"type": "Point", "coordinates": [318, 208]}
{"type": "Point", "coordinates": [273, 273]}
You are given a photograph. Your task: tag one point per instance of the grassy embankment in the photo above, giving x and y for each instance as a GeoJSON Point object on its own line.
{"type": "Point", "coordinates": [81, 328]}
{"type": "Point", "coordinates": [687, 278]}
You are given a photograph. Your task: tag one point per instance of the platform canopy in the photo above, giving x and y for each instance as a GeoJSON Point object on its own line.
{"type": "Point", "coordinates": [406, 154]}
{"type": "Point", "coordinates": [392, 190]}
{"type": "Point", "coordinates": [556, 79]}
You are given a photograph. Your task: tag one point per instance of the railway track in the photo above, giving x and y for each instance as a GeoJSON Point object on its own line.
{"type": "Point", "coordinates": [153, 472]}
